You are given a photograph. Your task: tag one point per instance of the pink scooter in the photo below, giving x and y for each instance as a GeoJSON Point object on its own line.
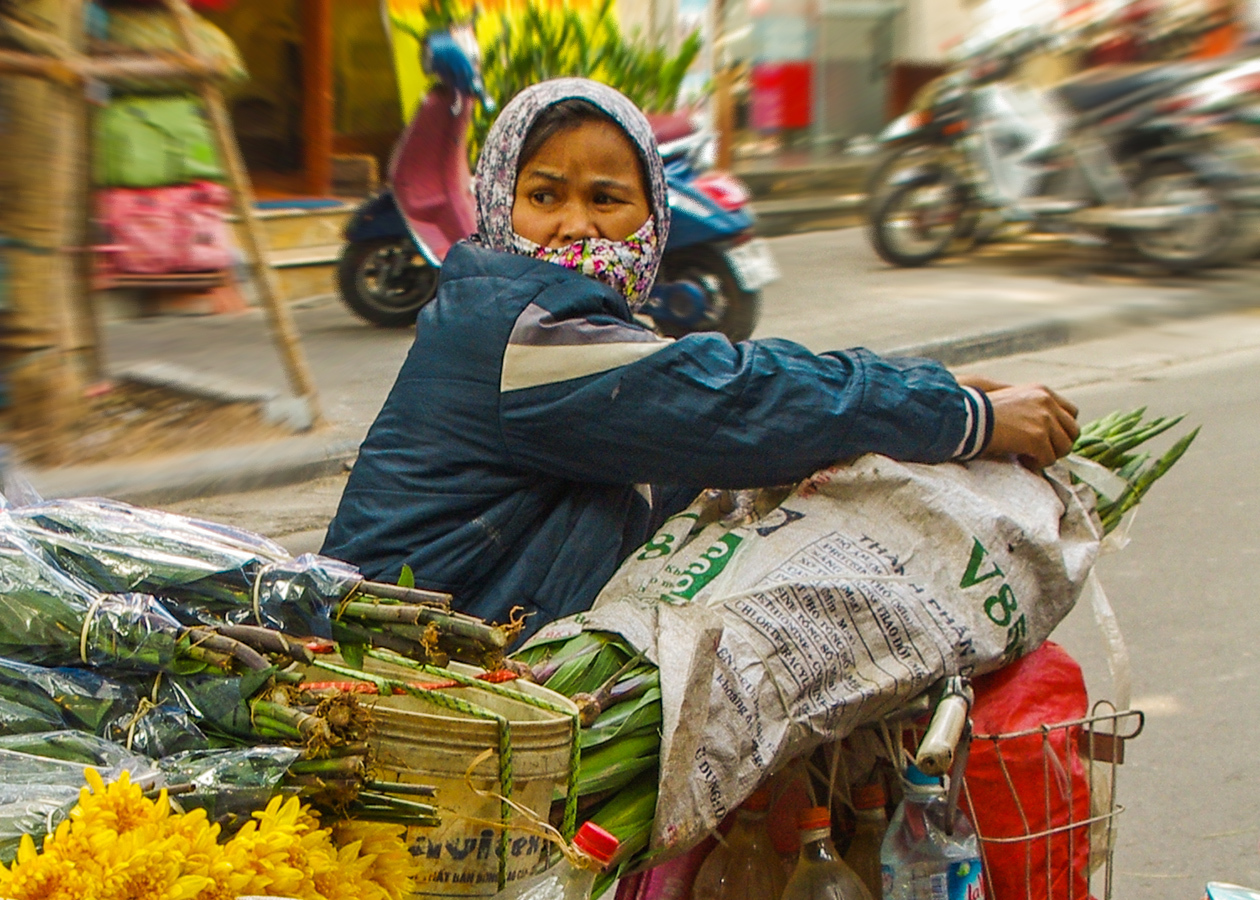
{"type": "Point", "coordinates": [428, 205]}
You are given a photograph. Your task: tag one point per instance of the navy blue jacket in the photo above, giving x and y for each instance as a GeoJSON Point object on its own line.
{"type": "Point", "coordinates": [523, 450]}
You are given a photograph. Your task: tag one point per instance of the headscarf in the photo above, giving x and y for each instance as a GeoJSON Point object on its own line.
{"type": "Point", "coordinates": [629, 266]}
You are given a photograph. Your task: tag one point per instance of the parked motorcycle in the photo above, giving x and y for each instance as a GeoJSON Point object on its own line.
{"type": "Point", "coordinates": [712, 271]}
{"type": "Point", "coordinates": [1104, 154]}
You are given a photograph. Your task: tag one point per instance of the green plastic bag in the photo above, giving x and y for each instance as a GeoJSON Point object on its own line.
{"type": "Point", "coordinates": [154, 141]}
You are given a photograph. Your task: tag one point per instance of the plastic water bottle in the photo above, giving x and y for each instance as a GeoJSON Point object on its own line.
{"type": "Point", "coordinates": [744, 866]}
{"type": "Point", "coordinates": [919, 859]}
{"type": "Point", "coordinates": [566, 881]}
{"type": "Point", "coordinates": [872, 823]}
{"type": "Point", "coordinates": [820, 873]}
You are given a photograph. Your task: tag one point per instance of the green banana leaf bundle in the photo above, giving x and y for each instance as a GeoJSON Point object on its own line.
{"type": "Point", "coordinates": [618, 695]}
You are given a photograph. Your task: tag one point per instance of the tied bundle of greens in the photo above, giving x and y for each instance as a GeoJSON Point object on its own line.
{"type": "Point", "coordinates": [321, 737]}
{"type": "Point", "coordinates": [1113, 442]}
{"type": "Point", "coordinates": [210, 574]}
{"type": "Point", "coordinates": [49, 617]}
{"type": "Point", "coordinates": [618, 696]}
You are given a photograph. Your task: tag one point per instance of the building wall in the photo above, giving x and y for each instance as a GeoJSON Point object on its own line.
{"type": "Point", "coordinates": [931, 28]}
{"type": "Point", "coordinates": [655, 19]}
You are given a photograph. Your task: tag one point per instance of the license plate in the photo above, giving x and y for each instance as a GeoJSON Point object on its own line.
{"type": "Point", "coordinates": [753, 264]}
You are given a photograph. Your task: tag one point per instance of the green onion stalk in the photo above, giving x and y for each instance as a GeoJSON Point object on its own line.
{"type": "Point", "coordinates": [1113, 441]}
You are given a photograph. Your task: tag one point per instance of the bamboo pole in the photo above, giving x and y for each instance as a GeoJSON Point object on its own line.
{"type": "Point", "coordinates": [41, 217]}
{"type": "Point", "coordinates": [82, 221]}
{"type": "Point", "coordinates": [74, 70]}
{"type": "Point", "coordinates": [724, 111]}
{"type": "Point", "coordinates": [283, 330]}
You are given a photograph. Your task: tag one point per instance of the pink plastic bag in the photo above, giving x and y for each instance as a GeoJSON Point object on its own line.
{"type": "Point", "coordinates": [209, 246]}
{"type": "Point", "coordinates": [670, 880]}
{"type": "Point", "coordinates": [157, 231]}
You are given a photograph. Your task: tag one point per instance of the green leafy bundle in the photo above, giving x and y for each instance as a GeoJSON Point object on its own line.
{"type": "Point", "coordinates": [207, 574]}
{"type": "Point", "coordinates": [1113, 442]}
{"type": "Point", "coordinates": [619, 697]}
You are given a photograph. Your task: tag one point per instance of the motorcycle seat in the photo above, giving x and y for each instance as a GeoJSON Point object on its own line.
{"type": "Point", "coordinates": [670, 126]}
{"type": "Point", "coordinates": [1098, 87]}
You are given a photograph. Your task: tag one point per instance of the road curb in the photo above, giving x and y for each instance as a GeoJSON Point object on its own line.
{"type": "Point", "coordinates": [1087, 326]}
{"type": "Point", "coordinates": [208, 473]}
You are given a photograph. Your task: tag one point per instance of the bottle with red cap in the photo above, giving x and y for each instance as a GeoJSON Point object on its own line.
{"type": "Point", "coordinates": [862, 856]}
{"type": "Point", "coordinates": [820, 873]}
{"type": "Point", "coordinates": [744, 866]}
{"type": "Point", "coordinates": [570, 880]}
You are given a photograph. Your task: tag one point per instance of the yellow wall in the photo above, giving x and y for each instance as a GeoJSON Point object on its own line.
{"type": "Point", "coordinates": [269, 36]}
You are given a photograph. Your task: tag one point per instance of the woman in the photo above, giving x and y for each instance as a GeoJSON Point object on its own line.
{"type": "Point", "coordinates": [537, 434]}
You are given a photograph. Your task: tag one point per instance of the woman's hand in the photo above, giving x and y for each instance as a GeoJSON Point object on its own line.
{"type": "Point", "coordinates": [1030, 422]}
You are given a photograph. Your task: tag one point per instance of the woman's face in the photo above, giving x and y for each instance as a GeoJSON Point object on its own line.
{"type": "Point", "coordinates": [584, 182]}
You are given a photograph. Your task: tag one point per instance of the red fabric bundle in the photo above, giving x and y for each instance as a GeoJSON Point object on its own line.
{"type": "Point", "coordinates": [1049, 775]}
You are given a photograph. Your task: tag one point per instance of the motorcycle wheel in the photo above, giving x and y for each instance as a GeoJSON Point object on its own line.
{"type": "Point", "coordinates": [913, 224]}
{"type": "Point", "coordinates": [1214, 238]}
{"type": "Point", "coordinates": [894, 161]}
{"type": "Point", "coordinates": [381, 283]}
{"type": "Point", "coordinates": [729, 308]}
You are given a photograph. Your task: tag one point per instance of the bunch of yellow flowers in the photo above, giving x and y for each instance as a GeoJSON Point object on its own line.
{"type": "Point", "coordinates": [118, 845]}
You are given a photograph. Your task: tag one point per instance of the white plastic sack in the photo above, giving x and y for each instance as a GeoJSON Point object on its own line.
{"type": "Point", "coordinates": [857, 592]}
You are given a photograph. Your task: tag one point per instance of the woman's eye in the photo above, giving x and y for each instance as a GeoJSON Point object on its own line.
{"type": "Point", "coordinates": [541, 196]}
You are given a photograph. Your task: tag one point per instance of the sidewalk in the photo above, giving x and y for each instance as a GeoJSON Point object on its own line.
{"type": "Point", "coordinates": [796, 191]}
{"type": "Point", "coordinates": [835, 293]}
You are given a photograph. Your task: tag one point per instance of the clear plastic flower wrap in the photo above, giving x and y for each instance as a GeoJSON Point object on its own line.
{"type": "Point", "coordinates": [40, 778]}
{"type": "Point", "coordinates": [204, 571]}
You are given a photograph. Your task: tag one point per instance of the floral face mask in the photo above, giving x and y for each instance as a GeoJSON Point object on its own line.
{"type": "Point", "coordinates": [627, 267]}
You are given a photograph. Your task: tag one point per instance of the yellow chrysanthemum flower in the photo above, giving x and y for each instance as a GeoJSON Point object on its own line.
{"type": "Point", "coordinates": [121, 805]}
{"type": "Point", "coordinates": [145, 866]}
{"type": "Point", "coordinates": [393, 868]}
{"type": "Point", "coordinates": [118, 845]}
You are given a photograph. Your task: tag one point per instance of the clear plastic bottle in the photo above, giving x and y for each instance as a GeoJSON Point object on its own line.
{"type": "Point", "coordinates": [744, 866]}
{"type": "Point", "coordinates": [920, 861]}
{"type": "Point", "coordinates": [872, 822]}
{"type": "Point", "coordinates": [820, 873]}
{"type": "Point", "coordinates": [566, 881]}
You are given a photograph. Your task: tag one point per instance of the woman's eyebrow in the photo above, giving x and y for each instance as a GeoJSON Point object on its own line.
{"type": "Point", "coordinates": [550, 176]}
{"type": "Point", "coordinates": [611, 183]}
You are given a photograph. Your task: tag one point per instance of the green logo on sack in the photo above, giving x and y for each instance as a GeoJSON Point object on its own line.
{"type": "Point", "coordinates": [972, 576]}
{"type": "Point", "coordinates": [705, 569]}
{"type": "Point", "coordinates": [1001, 606]}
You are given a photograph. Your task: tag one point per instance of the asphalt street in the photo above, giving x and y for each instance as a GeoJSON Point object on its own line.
{"type": "Point", "coordinates": [1185, 588]}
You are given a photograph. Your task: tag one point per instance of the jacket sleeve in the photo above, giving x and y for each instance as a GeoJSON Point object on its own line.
{"type": "Point", "coordinates": [598, 399]}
